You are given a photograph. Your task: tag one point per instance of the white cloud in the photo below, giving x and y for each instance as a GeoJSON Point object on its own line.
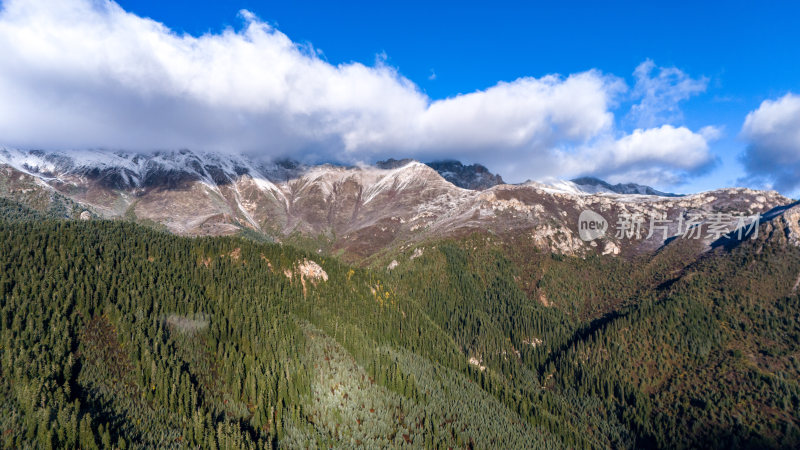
{"type": "Point", "coordinates": [772, 131]}
{"type": "Point", "coordinates": [87, 74]}
{"type": "Point", "coordinates": [658, 156]}
{"type": "Point", "coordinates": [661, 94]}
{"type": "Point", "coordinates": [711, 133]}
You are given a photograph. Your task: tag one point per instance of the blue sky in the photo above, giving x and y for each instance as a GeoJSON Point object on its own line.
{"type": "Point", "coordinates": [742, 53]}
{"type": "Point", "coordinates": [748, 48]}
{"type": "Point", "coordinates": [750, 51]}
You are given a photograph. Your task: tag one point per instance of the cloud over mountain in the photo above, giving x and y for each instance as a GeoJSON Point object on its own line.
{"type": "Point", "coordinates": [87, 74]}
{"type": "Point", "coordinates": [772, 132]}
{"type": "Point", "coordinates": [659, 155]}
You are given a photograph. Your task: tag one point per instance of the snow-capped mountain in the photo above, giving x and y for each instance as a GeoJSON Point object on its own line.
{"type": "Point", "coordinates": [592, 186]}
{"type": "Point", "coordinates": [354, 211]}
{"type": "Point", "coordinates": [474, 176]}
{"type": "Point", "coordinates": [596, 185]}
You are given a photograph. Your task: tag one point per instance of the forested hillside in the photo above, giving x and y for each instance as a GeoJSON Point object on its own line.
{"type": "Point", "coordinates": [117, 335]}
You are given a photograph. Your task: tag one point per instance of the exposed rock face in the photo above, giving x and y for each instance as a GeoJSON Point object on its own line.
{"type": "Point", "coordinates": [392, 163]}
{"type": "Point", "coordinates": [533, 342]}
{"type": "Point", "coordinates": [311, 271]}
{"type": "Point", "coordinates": [477, 363]}
{"type": "Point", "coordinates": [611, 249]}
{"type": "Point", "coordinates": [359, 210]}
{"type": "Point", "coordinates": [778, 225]}
{"type": "Point", "coordinates": [86, 215]}
{"type": "Point", "coordinates": [475, 176]}
{"type": "Point", "coordinates": [791, 224]}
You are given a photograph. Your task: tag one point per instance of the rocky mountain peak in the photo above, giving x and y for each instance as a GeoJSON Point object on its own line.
{"type": "Point", "coordinates": [392, 163]}
{"type": "Point", "coordinates": [473, 176]}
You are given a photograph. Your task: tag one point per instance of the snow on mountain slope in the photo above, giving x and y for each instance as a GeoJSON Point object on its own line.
{"type": "Point", "coordinates": [592, 186]}
{"type": "Point", "coordinates": [359, 211]}
{"type": "Point", "coordinates": [595, 185]}
{"type": "Point", "coordinates": [474, 176]}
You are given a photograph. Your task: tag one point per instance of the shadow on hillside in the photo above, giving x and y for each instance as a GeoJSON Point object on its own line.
{"type": "Point", "coordinates": [736, 237]}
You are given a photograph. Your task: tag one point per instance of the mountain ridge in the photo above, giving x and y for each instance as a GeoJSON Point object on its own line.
{"type": "Point", "coordinates": [619, 188]}
{"type": "Point", "coordinates": [354, 211]}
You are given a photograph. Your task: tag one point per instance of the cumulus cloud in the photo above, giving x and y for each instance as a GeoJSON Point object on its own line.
{"type": "Point", "coordinates": [662, 93]}
{"type": "Point", "coordinates": [661, 156]}
{"type": "Point", "coordinates": [772, 132]}
{"type": "Point", "coordinates": [87, 74]}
